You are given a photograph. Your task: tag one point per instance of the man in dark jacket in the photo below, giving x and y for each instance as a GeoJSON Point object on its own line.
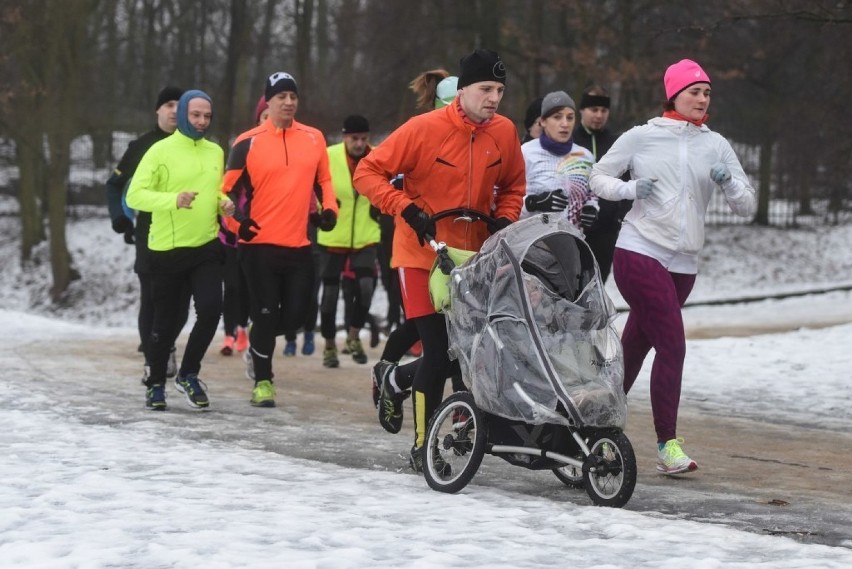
{"type": "Point", "coordinates": [120, 216]}
{"type": "Point", "coordinates": [591, 133]}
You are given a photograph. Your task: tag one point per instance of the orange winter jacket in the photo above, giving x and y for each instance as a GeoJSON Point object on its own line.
{"type": "Point", "coordinates": [448, 163]}
{"type": "Point", "coordinates": [277, 169]}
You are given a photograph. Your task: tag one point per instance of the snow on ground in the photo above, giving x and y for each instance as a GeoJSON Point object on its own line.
{"type": "Point", "coordinates": [78, 494]}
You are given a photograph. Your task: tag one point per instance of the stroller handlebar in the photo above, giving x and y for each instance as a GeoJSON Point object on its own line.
{"type": "Point", "coordinates": [462, 214]}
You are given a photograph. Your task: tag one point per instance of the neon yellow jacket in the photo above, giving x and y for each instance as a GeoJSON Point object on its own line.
{"type": "Point", "coordinates": [173, 165]}
{"type": "Point", "coordinates": [355, 227]}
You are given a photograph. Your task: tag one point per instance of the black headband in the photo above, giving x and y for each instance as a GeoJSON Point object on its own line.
{"type": "Point", "coordinates": [594, 101]}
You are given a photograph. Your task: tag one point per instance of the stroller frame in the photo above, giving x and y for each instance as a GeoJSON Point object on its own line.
{"type": "Point", "coordinates": [598, 459]}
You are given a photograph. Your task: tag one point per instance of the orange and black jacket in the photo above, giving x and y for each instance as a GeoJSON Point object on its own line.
{"type": "Point", "coordinates": [277, 170]}
{"type": "Point", "coordinates": [448, 163]}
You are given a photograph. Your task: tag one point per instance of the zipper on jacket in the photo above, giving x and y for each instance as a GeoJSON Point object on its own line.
{"type": "Point", "coordinates": [352, 225]}
{"type": "Point", "coordinates": [469, 185]}
{"type": "Point", "coordinates": [284, 140]}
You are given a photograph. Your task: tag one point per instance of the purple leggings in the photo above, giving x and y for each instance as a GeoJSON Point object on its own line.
{"type": "Point", "coordinates": [655, 297]}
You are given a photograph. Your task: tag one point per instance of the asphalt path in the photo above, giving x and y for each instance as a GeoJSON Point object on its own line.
{"type": "Point", "coordinates": [757, 476]}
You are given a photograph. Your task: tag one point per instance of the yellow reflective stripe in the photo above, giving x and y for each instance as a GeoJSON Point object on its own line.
{"type": "Point", "coordinates": [419, 418]}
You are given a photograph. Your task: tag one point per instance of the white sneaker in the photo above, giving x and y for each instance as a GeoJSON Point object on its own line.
{"type": "Point", "coordinates": [249, 364]}
{"type": "Point", "coordinates": [672, 460]}
{"type": "Point", "coordinates": [171, 366]}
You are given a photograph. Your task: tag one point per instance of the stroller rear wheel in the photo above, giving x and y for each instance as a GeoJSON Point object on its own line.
{"type": "Point", "coordinates": [455, 444]}
{"type": "Point", "coordinates": [609, 472]}
{"type": "Point", "coordinates": [570, 475]}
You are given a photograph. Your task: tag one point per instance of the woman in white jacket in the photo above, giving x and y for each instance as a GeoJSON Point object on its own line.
{"type": "Point", "coordinates": [675, 163]}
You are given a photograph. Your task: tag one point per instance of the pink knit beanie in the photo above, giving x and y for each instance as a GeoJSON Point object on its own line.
{"type": "Point", "coordinates": [681, 75]}
{"type": "Point", "coordinates": [262, 105]}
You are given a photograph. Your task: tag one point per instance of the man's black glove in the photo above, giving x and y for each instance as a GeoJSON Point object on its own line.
{"type": "Point", "coordinates": [121, 224]}
{"type": "Point", "coordinates": [548, 202]}
{"type": "Point", "coordinates": [496, 225]}
{"type": "Point", "coordinates": [129, 238]}
{"type": "Point", "coordinates": [246, 232]}
{"type": "Point", "coordinates": [327, 220]}
{"type": "Point", "coordinates": [375, 213]}
{"type": "Point", "coordinates": [588, 215]}
{"type": "Point", "coordinates": [420, 222]}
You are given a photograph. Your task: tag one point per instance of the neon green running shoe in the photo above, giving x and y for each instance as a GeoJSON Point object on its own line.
{"type": "Point", "coordinates": [263, 394]}
{"type": "Point", "coordinates": [672, 460]}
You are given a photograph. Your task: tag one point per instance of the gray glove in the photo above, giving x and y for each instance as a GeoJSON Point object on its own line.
{"type": "Point", "coordinates": [720, 174]}
{"type": "Point", "coordinates": [644, 187]}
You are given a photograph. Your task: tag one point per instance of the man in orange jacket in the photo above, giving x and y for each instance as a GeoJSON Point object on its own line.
{"type": "Point", "coordinates": [276, 165]}
{"type": "Point", "coordinates": [464, 155]}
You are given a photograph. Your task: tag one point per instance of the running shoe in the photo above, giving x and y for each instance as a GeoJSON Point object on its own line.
{"type": "Point", "coordinates": [418, 456]}
{"type": "Point", "coordinates": [242, 341]}
{"type": "Point", "coordinates": [155, 397]}
{"type": "Point", "coordinates": [227, 345]}
{"type": "Point", "coordinates": [390, 405]}
{"type": "Point", "coordinates": [194, 390]}
{"type": "Point", "coordinates": [329, 357]}
{"type": "Point", "coordinates": [378, 373]}
{"type": "Point", "coordinates": [308, 346]}
{"type": "Point", "coordinates": [249, 361]}
{"type": "Point", "coordinates": [354, 347]}
{"type": "Point", "coordinates": [263, 394]}
{"type": "Point", "coordinates": [672, 460]}
{"type": "Point", "coordinates": [171, 366]}
{"type": "Point", "coordinates": [290, 349]}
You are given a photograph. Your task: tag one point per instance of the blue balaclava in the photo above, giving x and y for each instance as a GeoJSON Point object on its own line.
{"type": "Point", "coordinates": [183, 113]}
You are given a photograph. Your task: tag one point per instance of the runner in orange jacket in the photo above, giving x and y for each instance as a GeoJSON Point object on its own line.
{"type": "Point", "coordinates": [464, 155]}
{"type": "Point", "coordinates": [277, 166]}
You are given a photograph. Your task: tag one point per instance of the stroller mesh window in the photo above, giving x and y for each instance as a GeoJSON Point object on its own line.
{"type": "Point", "coordinates": [563, 265]}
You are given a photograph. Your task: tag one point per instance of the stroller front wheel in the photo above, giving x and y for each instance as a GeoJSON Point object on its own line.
{"type": "Point", "coordinates": [455, 444]}
{"type": "Point", "coordinates": [609, 472]}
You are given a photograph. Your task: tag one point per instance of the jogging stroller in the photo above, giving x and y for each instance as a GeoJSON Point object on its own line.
{"type": "Point", "coordinates": [532, 328]}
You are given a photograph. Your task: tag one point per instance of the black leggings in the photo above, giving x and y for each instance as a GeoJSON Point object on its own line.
{"type": "Point", "coordinates": [235, 308]}
{"type": "Point", "coordinates": [146, 311]}
{"type": "Point", "coordinates": [280, 280]}
{"type": "Point", "coordinates": [204, 280]}
{"type": "Point", "coordinates": [432, 372]}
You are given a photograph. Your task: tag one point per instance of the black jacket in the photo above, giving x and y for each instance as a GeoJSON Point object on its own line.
{"type": "Point", "coordinates": [611, 213]}
{"type": "Point", "coordinates": [117, 184]}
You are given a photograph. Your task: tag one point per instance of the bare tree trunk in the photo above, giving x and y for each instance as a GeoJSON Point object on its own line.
{"type": "Point", "coordinates": [57, 198]}
{"type": "Point", "coordinates": [223, 104]}
{"type": "Point", "coordinates": [30, 164]}
{"type": "Point", "coordinates": [304, 23]}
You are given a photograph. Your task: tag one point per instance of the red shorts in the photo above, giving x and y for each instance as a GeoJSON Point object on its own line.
{"type": "Point", "coordinates": [414, 289]}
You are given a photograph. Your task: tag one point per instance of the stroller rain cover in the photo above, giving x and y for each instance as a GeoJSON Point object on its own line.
{"type": "Point", "coordinates": [530, 308]}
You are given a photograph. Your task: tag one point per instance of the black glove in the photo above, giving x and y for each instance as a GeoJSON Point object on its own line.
{"type": "Point", "coordinates": [246, 232]}
{"type": "Point", "coordinates": [121, 224]}
{"type": "Point", "coordinates": [375, 213]}
{"type": "Point", "coordinates": [549, 202]}
{"type": "Point", "coordinates": [420, 222]}
{"type": "Point", "coordinates": [129, 238]}
{"type": "Point", "coordinates": [496, 225]}
{"type": "Point", "coordinates": [327, 220]}
{"type": "Point", "coordinates": [588, 216]}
